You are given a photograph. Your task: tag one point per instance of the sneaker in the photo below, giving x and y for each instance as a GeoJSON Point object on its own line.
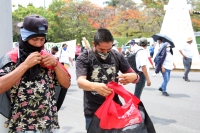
{"type": "Point", "coordinates": [187, 80]}
{"type": "Point", "coordinates": [160, 89]}
{"type": "Point", "coordinates": [183, 77]}
{"type": "Point", "coordinates": [165, 94]}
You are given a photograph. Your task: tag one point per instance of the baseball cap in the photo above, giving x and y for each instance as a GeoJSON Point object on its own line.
{"type": "Point", "coordinates": [34, 23]}
{"type": "Point", "coordinates": [143, 42]}
{"type": "Point", "coordinates": [132, 42]}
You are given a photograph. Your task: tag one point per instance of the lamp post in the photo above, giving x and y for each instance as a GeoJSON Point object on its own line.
{"type": "Point", "coordinates": [44, 9]}
{"type": "Point", "coordinates": [6, 39]}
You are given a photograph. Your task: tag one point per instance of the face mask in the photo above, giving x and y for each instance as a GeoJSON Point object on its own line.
{"type": "Point", "coordinates": [167, 49]}
{"type": "Point", "coordinates": [64, 49]}
{"type": "Point", "coordinates": [102, 55]}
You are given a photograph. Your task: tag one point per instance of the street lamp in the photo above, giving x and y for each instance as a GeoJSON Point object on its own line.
{"type": "Point", "coordinates": [44, 9]}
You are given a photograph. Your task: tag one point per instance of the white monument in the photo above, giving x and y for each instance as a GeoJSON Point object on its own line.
{"type": "Point", "coordinates": [177, 25]}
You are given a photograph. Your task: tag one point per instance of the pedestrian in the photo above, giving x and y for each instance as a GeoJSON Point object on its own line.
{"type": "Point", "coordinates": [157, 48]}
{"type": "Point", "coordinates": [187, 53]}
{"type": "Point", "coordinates": [151, 50]}
{"type": "Point", "coordinates": [114, 46]}
{"type": "Point", "coordinates": [78, 50]}
{"type": "Point", "coordinates": [142, 65]}
{"type": "Point", "coordinates": [166, 68]}
{"type": "Point", "coordinates": [92, 79]}
{"type": "Point", "coordinates": [29, 74]}
{"type": "Point", "coordinates": [54, 52]}
{"type": "Point", "coordinates": [64, 56]}
{"type": "Point", "coordinates": [123, 49]}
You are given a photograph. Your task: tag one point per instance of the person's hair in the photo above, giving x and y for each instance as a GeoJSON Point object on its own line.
{"type": "Point", "coordinates": [160, 39]}
{"type": "Point", "coordinates": [64, 44]}
{"type": "Point", "coordinates": [55, 48]}
{"type": "Point", "coordinates": [102, 35]}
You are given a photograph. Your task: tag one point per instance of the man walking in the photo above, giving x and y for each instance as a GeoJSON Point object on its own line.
{"type": "Point", "coordinates": [141, 64]}
{"type": "Point", "coordinates": [187, 53]}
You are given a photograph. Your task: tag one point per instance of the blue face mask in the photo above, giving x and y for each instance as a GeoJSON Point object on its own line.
{"type": "Point", "coordinates": [64, 49]}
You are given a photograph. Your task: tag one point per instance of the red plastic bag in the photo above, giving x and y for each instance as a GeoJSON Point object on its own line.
{"type": "Point", "coordinates": [114, 118]}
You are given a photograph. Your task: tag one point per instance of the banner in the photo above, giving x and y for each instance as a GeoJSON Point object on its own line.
{"type": "Point", "coordinates": [71, 47]}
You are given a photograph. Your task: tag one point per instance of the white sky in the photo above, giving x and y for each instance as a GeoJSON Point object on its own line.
{"type": "Point", "coordinates": [38, 3]}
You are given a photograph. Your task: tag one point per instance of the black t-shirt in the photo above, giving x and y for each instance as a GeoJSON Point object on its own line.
{"type": "Point", "coordinates": [87, 65]}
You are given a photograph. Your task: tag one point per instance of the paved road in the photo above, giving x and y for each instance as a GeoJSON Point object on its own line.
{"type": "Point", "coordinates": [178, 113]}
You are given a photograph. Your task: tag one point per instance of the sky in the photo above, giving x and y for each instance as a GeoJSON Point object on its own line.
{"type": "Point", "coordinates": [38, 3]}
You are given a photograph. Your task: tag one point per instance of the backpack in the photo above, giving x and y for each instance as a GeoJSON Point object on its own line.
{"type": "Point", "coordinates": [131, 58]}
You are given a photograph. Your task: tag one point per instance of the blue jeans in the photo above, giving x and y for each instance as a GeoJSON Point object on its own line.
{"type": "Point", "coordinates": [87, 121]}
{"type": "Point", "coordinates": [140, 85]}
{"type": "Point", "coordinates": [166, 78]}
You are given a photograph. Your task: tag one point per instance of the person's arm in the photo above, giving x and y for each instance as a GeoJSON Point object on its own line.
{"type": "Point", "coordinates": [144, 70]}
{"type": "Point", "coordinates": [150, 60]}
{"type": "Point", "coordinates": [100, 88]}
{"type": "Point", "coordinates": [174, 65]}
{"type": "Point", "coordinates": [182, 53]}
{"type": "Point", "coordinates": [61, 74]}
{"type": "Point", "coordinates": [10, 79]}
{"type": "Point", "coordinates": [70, 59]}
{"type": "Point", "coordinates": [129, 75]}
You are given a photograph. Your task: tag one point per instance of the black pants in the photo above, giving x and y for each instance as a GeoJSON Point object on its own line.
{"type": "Point", "coordinates": [187, 62]}
{"type": "Point", "coordinates": [140, 85]}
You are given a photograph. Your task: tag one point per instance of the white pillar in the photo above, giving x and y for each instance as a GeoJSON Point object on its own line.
{"type": "Point", "coordinates": [5, 39]}
{"type": "Point", "coordinates": [178, 26]}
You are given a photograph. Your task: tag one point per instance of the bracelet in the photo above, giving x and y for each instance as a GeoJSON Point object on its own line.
{"type": "Point", "coordinates": [55, 64]}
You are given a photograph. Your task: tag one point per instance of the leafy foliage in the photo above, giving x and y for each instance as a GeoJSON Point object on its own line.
{"type": "Point", "coordinates": [70, 19]}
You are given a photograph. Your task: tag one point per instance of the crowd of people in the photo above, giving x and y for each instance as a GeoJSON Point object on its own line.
{"type": "Point", "coordinates": [29, 74]}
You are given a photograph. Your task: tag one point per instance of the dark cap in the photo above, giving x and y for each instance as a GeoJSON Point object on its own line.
{"type": "Point", "coordinates": [143, 42]}
{"type": "Point", "coordinates": [132, 42]}
{"type": "Point", "coordinates": [34, 23]}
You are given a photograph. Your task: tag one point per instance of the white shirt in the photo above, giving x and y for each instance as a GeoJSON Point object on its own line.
{"type": "Point", "coordinates": [187, 50]}
{"type": "Point", "coordinates": [157, 48]}
{"type": "Point", "coordinates": [168, 62]}
{"type": "Point", "coordinates": [141, 57]}
{"type": "Point", "coordinates": [115, 48]}
{"type": "Point", "coordinates": [64, 56]}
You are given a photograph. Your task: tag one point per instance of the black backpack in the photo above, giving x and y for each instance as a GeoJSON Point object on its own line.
{"type": "Point", "coordinates": [131, 58]}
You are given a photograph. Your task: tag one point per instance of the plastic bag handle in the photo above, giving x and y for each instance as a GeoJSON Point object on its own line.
{"type": "Point", "coordinates": [119, 89]}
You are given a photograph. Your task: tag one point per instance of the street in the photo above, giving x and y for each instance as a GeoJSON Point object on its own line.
{"type": "Point", "coordinates": [178, 113]}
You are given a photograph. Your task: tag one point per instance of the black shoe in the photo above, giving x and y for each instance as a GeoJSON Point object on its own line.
{"type": "Point", "coordinates": [183, 77]}
{"type": "Point", "coordinates": [165, 94]}
{"type": "Point", "coordinates": [187, 80]}
{"type": "Point", "coordinates": [160, 89]}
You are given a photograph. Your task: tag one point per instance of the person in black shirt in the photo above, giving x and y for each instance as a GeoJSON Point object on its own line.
{"type": "Point", "coordinates": [91, 78]}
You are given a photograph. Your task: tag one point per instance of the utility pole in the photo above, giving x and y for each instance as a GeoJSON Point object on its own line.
{"type": "Point", "coordinates": [6, 39]}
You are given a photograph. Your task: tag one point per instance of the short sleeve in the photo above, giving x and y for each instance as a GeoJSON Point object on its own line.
{"type": "Point", "coordinates": [82, 65]}
{"type": "Point", "coordinates": [142, 57]}
{"type": "Point", "coordinates": [6, 69]}
{"type": "Point", "coordinates": [123, 63]}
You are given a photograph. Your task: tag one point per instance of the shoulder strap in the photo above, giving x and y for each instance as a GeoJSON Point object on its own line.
{"type": "Point", "coordinates": [137, 51]}
{"type": "Point", "coordinates": [104, 71]}
{"type": "Point", "coordinates": [116, 59]}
